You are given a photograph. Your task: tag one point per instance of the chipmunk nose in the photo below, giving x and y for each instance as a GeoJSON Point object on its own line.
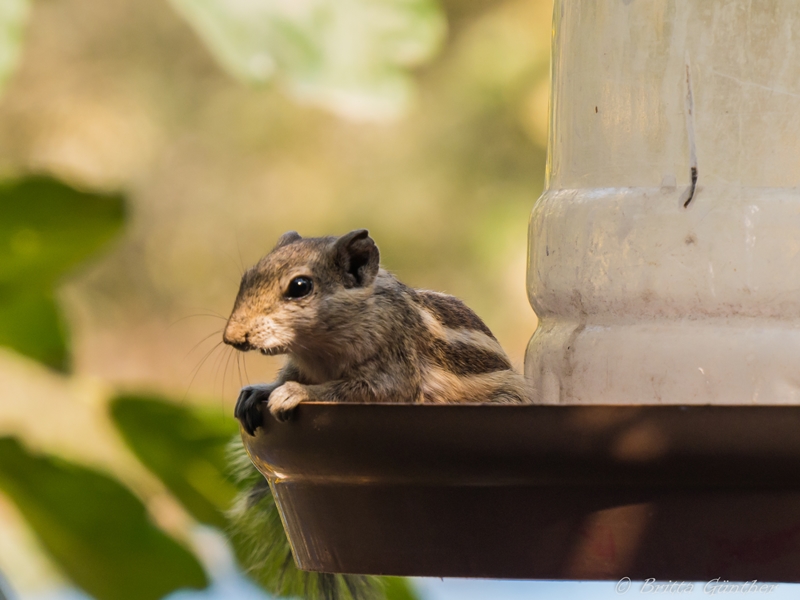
{"type": "Point", "coordinates": [237, 336]}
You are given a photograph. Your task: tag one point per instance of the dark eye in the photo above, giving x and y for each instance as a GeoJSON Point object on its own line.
{"type": "Point", "coordinates": [299, 287]}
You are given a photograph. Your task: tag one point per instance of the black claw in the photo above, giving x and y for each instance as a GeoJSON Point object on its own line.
{"type": "Point", "coordinates": [251, 422]}
{"type": "Point", "coordinates": [248, 407]}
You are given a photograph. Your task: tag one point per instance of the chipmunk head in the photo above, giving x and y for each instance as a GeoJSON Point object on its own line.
{"type": "Point", "coordinates": [302, 292]}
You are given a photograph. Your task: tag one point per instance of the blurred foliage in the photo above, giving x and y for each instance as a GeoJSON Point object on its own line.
{"type": "Point", "coordinates": [120, 94]}
{"type": "Point", "coordinates": [46, 229]}
{"type": "Point", "coordinates": [13, 15]}
{"type": "Point", "coordinates": [261, 545]}
{"type": "Point", "coordinates": [350, 56]}
{"type": "Point", "coordinates": [98, 531]}
{"type": "Point", "coordinates": [189, 449]}
{"type": "Point", "coordinates": [397, 588]}
{"type": "Point", "coordinates": [185, 447]}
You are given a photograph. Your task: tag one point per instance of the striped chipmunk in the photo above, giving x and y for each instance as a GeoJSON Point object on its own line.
{"type": "Point", "coordinates": [354, 333]}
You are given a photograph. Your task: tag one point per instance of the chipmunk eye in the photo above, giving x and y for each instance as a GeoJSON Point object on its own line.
{"type": "Point", "coordinates": [299, 287]}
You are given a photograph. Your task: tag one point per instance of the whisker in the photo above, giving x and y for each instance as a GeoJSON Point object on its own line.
{"type": "Point", "coordinates": [238, 265]}
{"type": "Point", "coordinates": [196, 370]}
{"type": "Point", "coordinates": [210, 315]}
{"type": "Point", "coordinates": [217, 332]}
{"type": "Point", "coordinates": [239, 367]}
{"type": "Point", "coordinates": [206, 357]}
{"type": "Point", "coordinates": [246, 375]}
{"type": "Point", "coordinates": [217, 364]}
{"type": "Point", "coordinates": [225, 372]}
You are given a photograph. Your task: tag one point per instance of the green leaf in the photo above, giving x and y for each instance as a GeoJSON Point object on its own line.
{"type": "Point", "coordinates": [349, 56]}
{"type": "Point", "coordinates": [95, 529]}
{"type": "Point", "coordinates": [183, 446]}
{"type": "Point", "coordinates": [261, 546]}
{"type": "Point", "coordinates": [398, 588]}
{"type": "Point", "coordinates": [188, 448]}
{"type": "Point", "coordinates": [13, 15]}
{"type": "Point", "coordinates": [46, 229]}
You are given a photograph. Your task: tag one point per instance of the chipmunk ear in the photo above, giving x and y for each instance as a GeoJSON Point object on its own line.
{"type": "Point", "coordinates": [358, 256]}
{"type": "Point", "coordinates": [287, 238]}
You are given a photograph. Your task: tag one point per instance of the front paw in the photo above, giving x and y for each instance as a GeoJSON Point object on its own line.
{"type": "Point", "coordinates": [248, 406]}
{"type": "Point", "coordinates": [285, 398]}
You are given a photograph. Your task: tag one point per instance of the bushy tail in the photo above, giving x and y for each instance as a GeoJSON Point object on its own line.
{"type": "Point", "coordinates": [262, 548]}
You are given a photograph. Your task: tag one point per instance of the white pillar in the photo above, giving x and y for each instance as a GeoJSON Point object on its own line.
{"type": "Point", "coordinates": [651, 289]}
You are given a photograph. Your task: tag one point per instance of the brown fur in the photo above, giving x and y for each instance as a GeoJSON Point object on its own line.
{"type": "Point", "coordinates": [451, 311]}
{"type": "Point", "coordinates": [360, 335]}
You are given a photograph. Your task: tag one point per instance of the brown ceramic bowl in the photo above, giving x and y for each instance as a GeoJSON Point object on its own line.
{"type": "Point", "coordinates": [539, 492]}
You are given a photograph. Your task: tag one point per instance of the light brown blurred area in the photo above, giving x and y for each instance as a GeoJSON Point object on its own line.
{"type": "Point", "coordinates": [123, 95]}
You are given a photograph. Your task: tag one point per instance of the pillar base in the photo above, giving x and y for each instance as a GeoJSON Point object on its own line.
{"type": "Point", "coordinates": [643, 301]}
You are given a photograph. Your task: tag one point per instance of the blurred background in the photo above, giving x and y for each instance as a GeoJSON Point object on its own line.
{"type": "Point", "coordinates": [149, 152]}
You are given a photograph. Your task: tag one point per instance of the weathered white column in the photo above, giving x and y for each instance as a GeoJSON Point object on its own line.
{"type": "Point", "coordinates": [665, 252]}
